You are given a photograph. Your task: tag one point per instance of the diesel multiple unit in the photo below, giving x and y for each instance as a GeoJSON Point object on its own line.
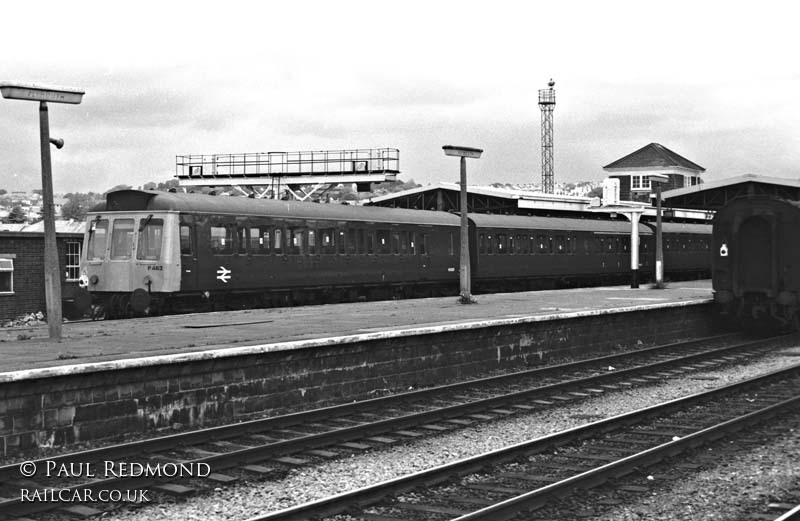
{"type": "Point", "coordinates": [148, 252]}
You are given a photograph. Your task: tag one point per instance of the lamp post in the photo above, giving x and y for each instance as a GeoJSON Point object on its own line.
{"type": "Point", "coordinates": [464, 279]}
{"type": "Point", "coordinates": [52, 273]}
{"type": "Point", "coordinates": [658, 179]}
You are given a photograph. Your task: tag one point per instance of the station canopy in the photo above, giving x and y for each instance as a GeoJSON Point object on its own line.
{"type": "Point", "coordinates": [716, 194]}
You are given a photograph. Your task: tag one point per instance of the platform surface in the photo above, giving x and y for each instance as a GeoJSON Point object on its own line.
{"type": "Point", "coordinates": [26, 348]}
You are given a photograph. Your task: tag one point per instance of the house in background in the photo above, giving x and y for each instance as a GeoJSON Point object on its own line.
{"type": "Point", "coordinates": [634, 170]}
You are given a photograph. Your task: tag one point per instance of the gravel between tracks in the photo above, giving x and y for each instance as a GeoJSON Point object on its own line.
{"type": "Point", "coordinates": [744, 475]}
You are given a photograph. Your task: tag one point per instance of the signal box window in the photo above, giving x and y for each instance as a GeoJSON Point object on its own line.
{"type": "Point", "coordinates": [122, 239]}
{"type": "Point", "coordinates": [186, 240]}
{"type": "Point", "coordinates": [221, 240]}
{"type": "Point", "coordinates": [6, 275]}
{"type": "Point", "coordinates": [98, 236]}
{"type": "Point", "coordinates": [150, 240]}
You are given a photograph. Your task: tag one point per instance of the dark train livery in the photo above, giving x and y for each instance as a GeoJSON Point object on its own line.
{"type": "Point", "coordinates": [157, 252]}
{"type": "Point", "coordinates": [756, 261]}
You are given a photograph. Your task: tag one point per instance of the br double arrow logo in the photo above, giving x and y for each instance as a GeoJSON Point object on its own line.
{"type": "Point", "coordinates": [224, 274]}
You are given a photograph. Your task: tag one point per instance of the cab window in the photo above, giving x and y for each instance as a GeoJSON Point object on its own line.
{"type": "Point", "coordinates": [122, 239]}
{"type": "Point", "coordinates": [98, 236]}
{"type": "Point", "coordinates": [150, 240]}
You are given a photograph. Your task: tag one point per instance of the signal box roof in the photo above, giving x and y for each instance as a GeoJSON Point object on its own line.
{"type": "Point", "coordinates": [650, 156]}
{"type": "Point", "coordinates": [716, 194]}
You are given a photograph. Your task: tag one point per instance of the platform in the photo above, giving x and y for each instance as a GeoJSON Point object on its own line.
{"type": "Point", "coordinates": [26, 348]}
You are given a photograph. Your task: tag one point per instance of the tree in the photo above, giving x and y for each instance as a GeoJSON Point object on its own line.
{"type": "Point", "coordinates": [597, 191]}
{"type": "Point", "coordinates": [77, 205]}
{"type": "Point", "coordinates": [17, 215]}
{"type": "Point", "coordinates": [3, 191]}
{"type": "Point", "coordinates": [120, 187]}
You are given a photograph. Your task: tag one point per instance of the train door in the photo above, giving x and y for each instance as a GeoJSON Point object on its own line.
{"type": "Point", "coordinates": [755, 266]}
{"type": "Point", "coordinates": [188, 245]}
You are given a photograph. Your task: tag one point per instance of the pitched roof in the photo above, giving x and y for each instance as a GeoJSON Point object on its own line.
{"type": "Point", "coordinates": [653, 155]}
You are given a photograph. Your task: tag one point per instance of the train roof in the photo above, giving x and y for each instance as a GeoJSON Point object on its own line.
{"type": "Point", "coordinates": [143, 200]}
{"type": "Point", "coordinates": [554, 223]}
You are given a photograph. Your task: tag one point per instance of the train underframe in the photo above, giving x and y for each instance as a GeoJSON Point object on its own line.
{"type": "Point", "coordinates": [140, 303]}
{"type": "Point", "coordinates": [757, 312]}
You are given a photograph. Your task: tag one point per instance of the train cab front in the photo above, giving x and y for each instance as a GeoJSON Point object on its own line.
{"type": "Point", "coordinates": [129, 263]}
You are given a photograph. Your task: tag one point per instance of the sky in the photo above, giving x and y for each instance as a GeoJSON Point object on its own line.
{"type": "Point", "coordinates": [718, 83]}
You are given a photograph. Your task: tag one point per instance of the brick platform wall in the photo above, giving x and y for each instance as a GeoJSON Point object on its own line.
{"type": "Point", "coordinates": [67, 409]}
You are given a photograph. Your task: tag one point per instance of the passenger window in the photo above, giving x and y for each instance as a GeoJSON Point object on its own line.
{"type": "Point", "coordinates": [361, 242]}
{"type": "Point", "coordinates": [312, 242]}
{"type": "Point", "coordinates": [221, 240]}
{"type": "Point", "coordinates": [295, 241]}
{"type": "Point", "coordinates": [122, 239]}
{"type": "Point", "coordinates": [559, 244]}
{"type": "Point", "coordinates": [383, 241]}
{"type": "Point", "coordinates": [481, 243]}
{"type": "Point", "coordinates": [452, 248]}
{"type": "Point", "coordinates": [150, 240]}
{"type": "Point", "coordinates": [424, 244]}
{"type": "Point", "coordinates": [370, 242]}
{"type": "Point", "coordinates": [351, 241]}
{"type": "Point", "coordinates": [502, 243]}
{"type": "Point", "coordinates": [404, 242]}
{"type": "Point", "coordinates": [395, 242]}
{"type": "Point", "coordinates": [186, 240]}
{"type": "Point", "coordinates": [259, 241]}
{"type": "Point", "coordinates": [98, 236]}
{"type": "Point", "coordinates": [278, 241]}
{"type": "Point", "coordinates": [489, 244]}
{"type": "Point", "coordinates": [241, 240]}
{"type": "Point", "coordinates": [542, 244]}
{"type": "Point", "coordinates": [413, 246]}
{"type": "Point", "coordinates": [327, 241]}
{"type": "Point", "coordinates": [341, 243]}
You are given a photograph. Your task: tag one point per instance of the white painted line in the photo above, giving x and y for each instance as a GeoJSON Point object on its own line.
{"type": "Point", "coordinates": [635, 298]}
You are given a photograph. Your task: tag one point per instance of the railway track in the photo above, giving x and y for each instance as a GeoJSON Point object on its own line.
{"type": "Point", "coordinates": [270, 446]}
{"type": "Point", "coordinates": [512, 482]}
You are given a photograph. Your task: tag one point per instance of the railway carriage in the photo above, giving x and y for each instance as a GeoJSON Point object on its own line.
{"type": "Point", "coordinates": [149, 252]}
{"type": "Point", "coordinates": [167, 252]}
{"type": "Point", "coordinates": [756, 261]}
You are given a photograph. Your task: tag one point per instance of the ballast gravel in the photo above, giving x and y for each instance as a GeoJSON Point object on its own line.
{"type": "Point", "coordinates": [745, 474]}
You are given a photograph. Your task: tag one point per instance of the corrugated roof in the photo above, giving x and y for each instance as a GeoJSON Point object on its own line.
{"type": "Point", "coordinates": [38, 227]}
{"type": "Point", "coordinates": [653, 155]}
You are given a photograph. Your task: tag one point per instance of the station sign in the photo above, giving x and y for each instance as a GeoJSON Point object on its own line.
{"type": "Point", "coordinates": [35, 92]}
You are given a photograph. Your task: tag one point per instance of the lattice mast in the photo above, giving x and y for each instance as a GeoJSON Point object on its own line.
{"type": "Point", "coordinates": [547, 103]}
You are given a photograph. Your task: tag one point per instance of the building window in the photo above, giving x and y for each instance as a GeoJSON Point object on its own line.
{"type": "Point", "coordinates": [73, 264]}
{"type": "Point", "coordinates": [640, 182]}
{"type": "Point", "coordinates": [6, 274]}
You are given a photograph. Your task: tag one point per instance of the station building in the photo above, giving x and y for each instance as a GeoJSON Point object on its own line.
{"type": "Point", "coordinates": [22, 266]}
